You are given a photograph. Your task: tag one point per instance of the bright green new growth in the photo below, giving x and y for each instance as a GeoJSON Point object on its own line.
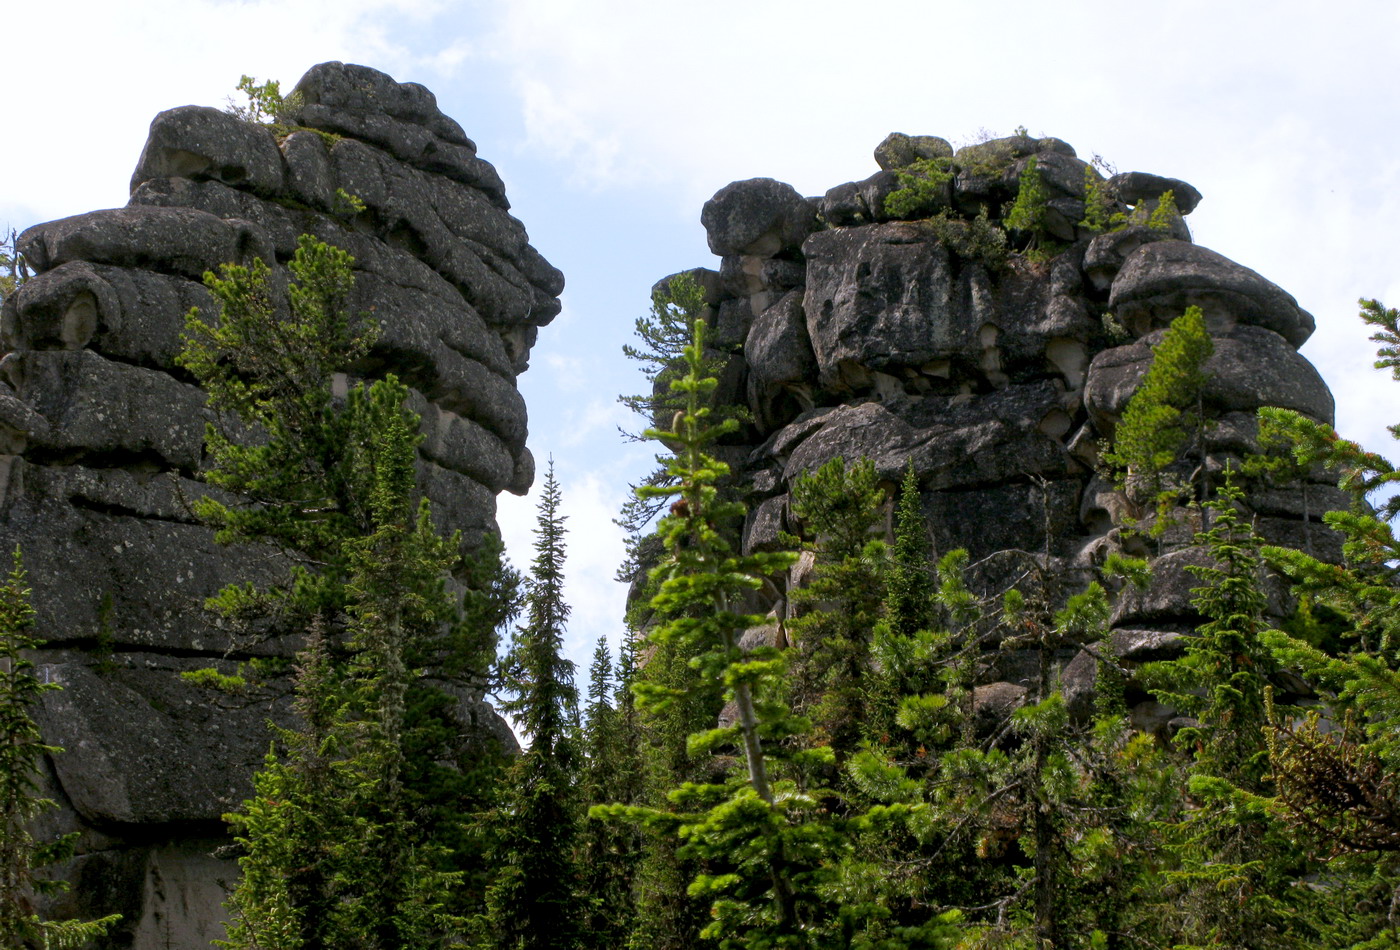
{"type": "Point", "coordinates": [1163, 418]}
{"type": "Point", "coordinates": [1162, 216]}
{"type": "Point", "coordinates": [1099, 214]}
{"type": "Point", "coordinates": [22, 858]}
{"type": "Point", "coordinates": [663, 334]}
{"type": "Point", "coordinates": [751, 825]}
{"type": "Point", "coordinates": [923, 191]}
{"type": "Point", "coordinates": [1027, 212]}
{"type": "Point", "coordinates": [266, 105]}
{"type": "Point", "coordinates": [972, 239]}
{"type": "Point", "coordinates": [12, 264]}
{"type": "Point", "coordinates": [277, 375]}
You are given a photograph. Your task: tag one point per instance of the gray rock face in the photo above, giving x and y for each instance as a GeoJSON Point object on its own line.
{"type": "Point", "coordinates": [899, 150]}
{"type": "Point", "coordinates": [997, 376]}
{"type": "Point", "coordinates": [101, 444]}
{"type": "Point", "coordinates": [1134, 187]}
{"type": "Point", "coordinates": [1251, 367]}
{"type": "Point", "coordinates": [759, 216]}
{"type": "Point", "coordinates": [885, 296]}
{"type": "Point", "coordinates": [1160, 280]}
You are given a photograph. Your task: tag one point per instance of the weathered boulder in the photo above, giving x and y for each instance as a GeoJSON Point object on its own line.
{"type": "Point", "coordinates": [1135, 187]}
{"type": "Point", "coordinates": [1159, 280]}
{"type": "Point", "coordinates": [1104, 256]}
{"type": "Point", "coordinates": [779, 355]}
{"type": "Point", "coordinates": [885, 296]}
{"type": "Point", "coordinates": [130, 726]}
{"type": "Point", "coordinates": [352, 88]}
{"type": "Point", "coordinates": [1170, 599]}
{"type": "Point", "coordinates": [1251, 367]}
{"type": "Point", "coordinates": [200, 143]}
{"type": "Point", "coordinates": [105, 411]}
{"type": "Point", "coordinates": [899, 150]}
{"type": "Point", "coordinates": [179, 241]}
{"type": "Point", "coordinates": [135, 316]}
{"type": "Point", "coordinates": [759, 216]}
{"type": "Point", "coordinates": [950, 444]}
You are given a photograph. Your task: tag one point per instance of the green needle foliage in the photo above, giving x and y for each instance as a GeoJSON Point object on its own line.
{"type": "Point", "coordinates": [701, 584]}
{"type": "Point", "coordinates": [910, 582]}
{"type": "Point", "coordinates": [1164, 420]}
{"type": "Point", "coordinates": [662, 336]}
{"type": "Point", "coordinates": [1100, 212]}
{"type": "Point", "coordinates": [12, 270]}
{"type": "Point", "coordinates": [1027, 212]}
{"type": "Point", "coordinates": [1221, 679]}
{"type": "Point", "coordinates": [612, 772]}
{"type": "Point", "coordinates": [925, 188]}
{"type": "Point", "coordinates": [1162, 216]}
{"type": "Point", "coordinates": [840, 506]}
{"type": "Point", "coordinates": [534, 903]}
{"type": "Point", "coordinates": [346, 840]}
{"type": "Point", "coordinates": [266, 105]}
{"type": "Point", "coordinates": [1334, 770]}
{"type": "Point", "coordinates": [22, 858]}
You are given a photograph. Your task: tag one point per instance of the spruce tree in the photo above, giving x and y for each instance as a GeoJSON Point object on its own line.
{"type": "Point", "coordinates": [535, 904]}
{"type": "Point", "coordinates": [612, 772]}
{"type": "Point", "coordinates": [1334, 770]}
{"type": "Point", "coordinates": [1028, 212]}
{"type": "Point", "coordinates": [22, 857]}
{"type": "Point", "coordinates": [910, 582]}
{"type": "Point", "coordinates": [772, 841]}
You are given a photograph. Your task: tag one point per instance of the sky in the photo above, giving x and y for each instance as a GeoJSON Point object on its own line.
{"type": "Point", "coordinates": [612, 121]}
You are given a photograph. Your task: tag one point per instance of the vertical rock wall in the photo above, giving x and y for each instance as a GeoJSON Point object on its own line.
{"type": "Point", "coordinates": [852, 333]}
{"type": "Point", "coordinates": [102, 442]}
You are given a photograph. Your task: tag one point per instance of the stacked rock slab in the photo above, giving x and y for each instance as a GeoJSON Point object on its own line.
{"type": "Point", "coordinates": [852, 333]}
{"type": "Point", "coordinates": [103, 446]}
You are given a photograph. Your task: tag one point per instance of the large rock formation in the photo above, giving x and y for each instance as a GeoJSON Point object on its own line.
{"type": "Point", "coordinates": [103, 444]}
{"type": "Point", "coordinates": [849, 332]}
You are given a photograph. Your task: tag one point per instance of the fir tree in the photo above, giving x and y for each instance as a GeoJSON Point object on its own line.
{"type": "Point", "coordinates": [840, 506]}
{"type": "Point", "coordinates": [22, 858]}
{"type": "Point", "coordinates": [1028, 212]}
{"type": "Point", "coordinates": [699, 583]}
{"type": "Point", "coordinates": [608, 851]}
{"type": "Point", "coordinates": [332, 483]}
{"type": "Point", "coordinates": [1335, 784]}
{"type": "Point", "coordinates": [534, 903]}
{"type": "Point", "coordinates": [910, 594]}
{"type": "Point", "coordinates": [1164, 420]}
{"type": "Point", "coordinates": [1235, 864]}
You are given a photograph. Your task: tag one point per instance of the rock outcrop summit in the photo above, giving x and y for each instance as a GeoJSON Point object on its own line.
{"type": "Point", "coordinates": [930, 333]}
{"type": "Point", "coordinates": [103, 445]}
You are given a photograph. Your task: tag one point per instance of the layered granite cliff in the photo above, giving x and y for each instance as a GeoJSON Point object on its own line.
{"type": "Point", "coordinates": [998, 369]}
{"type": "Point", "coordinates": [103, 446]}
